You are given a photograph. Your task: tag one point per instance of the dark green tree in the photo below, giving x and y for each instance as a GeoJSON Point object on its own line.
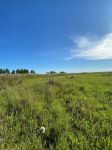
{"type": "Point", "coordinates": [32, 72]}
{"type": "Point", "coordinates": [52, 72]}
{"type": "Point", "coordinates": [17, 71]}
{"type": "Point", "coordinates": [62, 72]}
{"type": "Point", "coordinates": [1, 71]}
{"type": "Point", "coordinates": [7, 71]}
{"type": "Point", "coordinates": [13, 72]}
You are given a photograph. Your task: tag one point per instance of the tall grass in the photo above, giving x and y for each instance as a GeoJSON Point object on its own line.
{"type": "Point", "coordinates": [75, 109]}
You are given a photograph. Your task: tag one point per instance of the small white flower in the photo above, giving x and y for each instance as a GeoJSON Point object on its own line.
{"type": "Point", "coordinates": [42, 130]}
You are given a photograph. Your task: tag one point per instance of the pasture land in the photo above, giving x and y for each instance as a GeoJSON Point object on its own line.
{"type": "Point", "coordinates": [75, 109]}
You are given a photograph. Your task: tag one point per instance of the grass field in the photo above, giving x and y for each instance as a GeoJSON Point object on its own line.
{"type": "Point", "coordinates": [76, 111]}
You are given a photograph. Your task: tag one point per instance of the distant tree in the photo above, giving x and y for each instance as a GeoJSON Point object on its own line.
{"type": "Point", "coordinates": [32, 72]}
{"type": "Point", "coordinates": [4, 71]}
{"type": "Point", "coordinates": [52, 72]}
{"type": "Point", "coordinates": [17, 71]}
{"type": "Point", "coordinates": [47, 72]}
{"type": "Point", "coordinates": [13, 72]}
{"type": "Point", "coordinates": [22, 71]}
{"type": "Point", "coordinates": [25, 71]}
{"type": "Point", "coordinates": [62, 72]}
{"type": "Point", "coordinates": [7, 71]}
{"type": "Point", "coordinates": [1, 70]}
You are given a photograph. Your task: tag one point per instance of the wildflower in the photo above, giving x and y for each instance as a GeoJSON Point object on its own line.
{"type": "Point", "coordinates": [42, 130]}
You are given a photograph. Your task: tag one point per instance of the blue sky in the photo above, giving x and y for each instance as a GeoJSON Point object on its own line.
{"type": "Point", "coordinates": [68, 35]}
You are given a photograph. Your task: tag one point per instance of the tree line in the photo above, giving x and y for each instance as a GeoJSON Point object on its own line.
{"type": "Point", "coordinates": [26, 71]}
{"type": "Point", "coordinates": [17, 71]}
{"type": "Point", "coordinates": [54, 72]}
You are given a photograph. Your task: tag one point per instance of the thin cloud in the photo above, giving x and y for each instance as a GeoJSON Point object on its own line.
{"type": "Point", "coordinates": [92, 48]}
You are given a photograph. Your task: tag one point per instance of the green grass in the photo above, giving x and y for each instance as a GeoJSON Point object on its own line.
{"type": "Point", "coordinates": [76, 111]}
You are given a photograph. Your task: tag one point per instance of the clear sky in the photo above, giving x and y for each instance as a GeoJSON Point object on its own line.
{"type": "Point", "coordinates": [60, 35]}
